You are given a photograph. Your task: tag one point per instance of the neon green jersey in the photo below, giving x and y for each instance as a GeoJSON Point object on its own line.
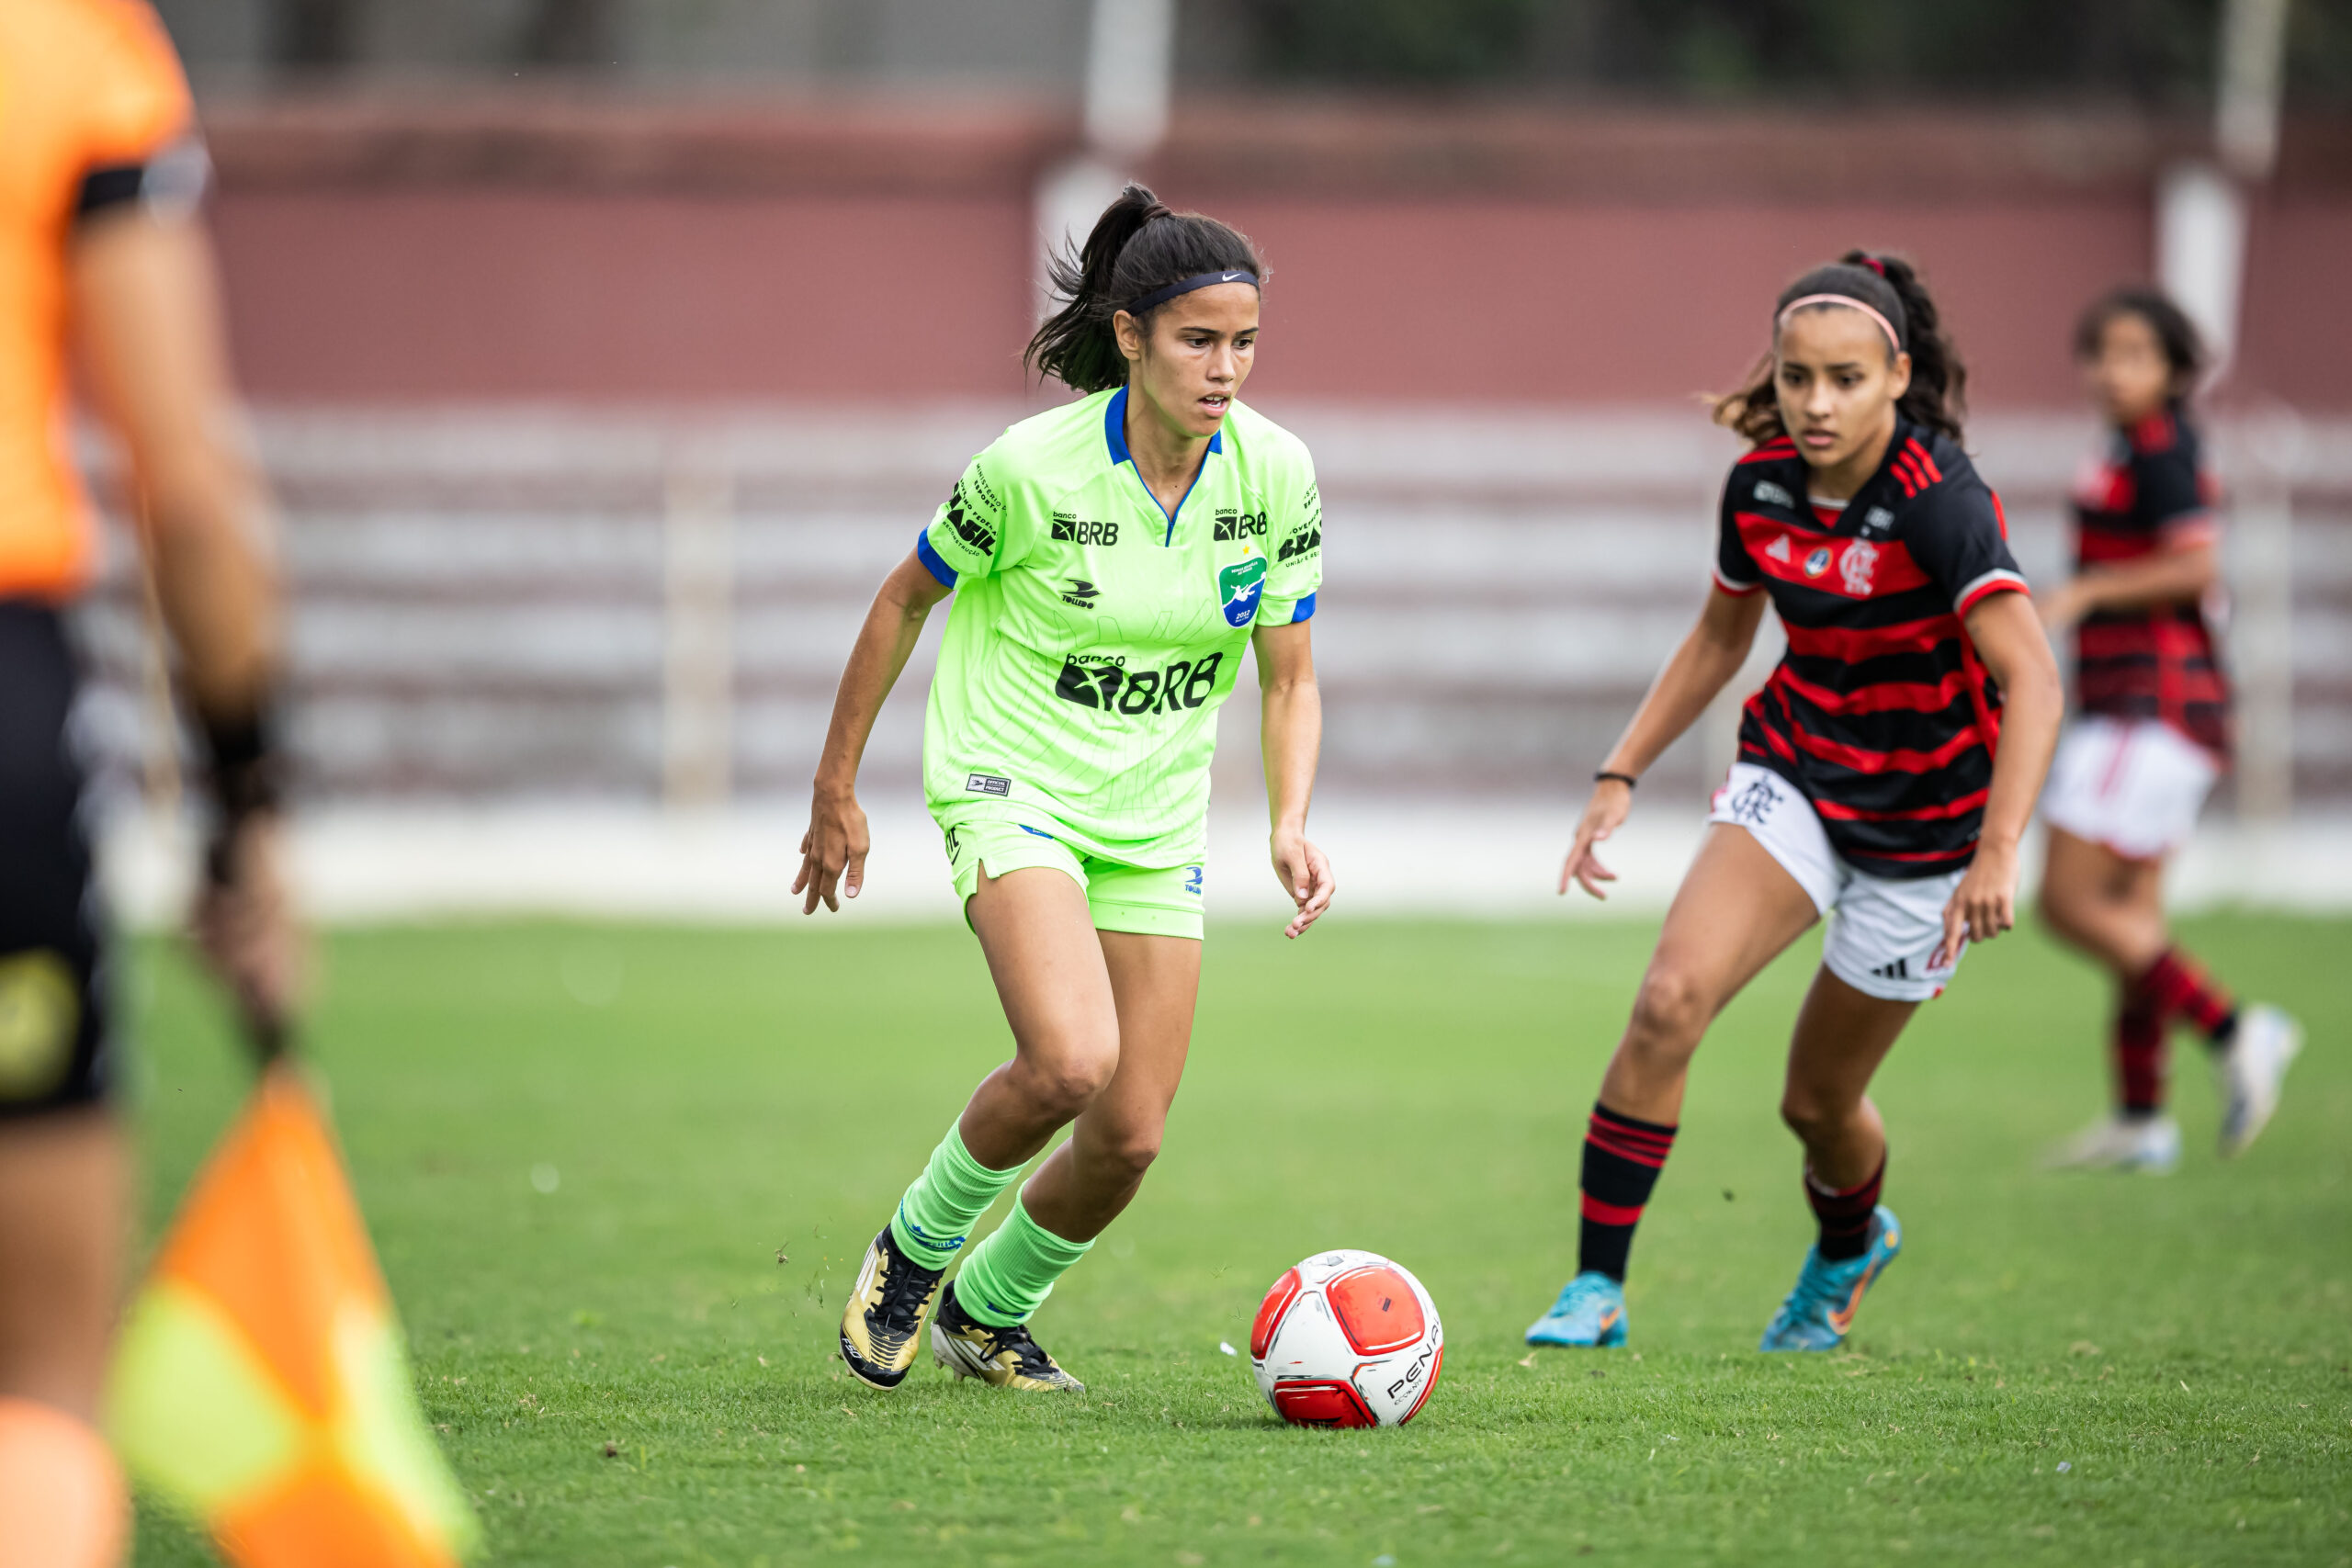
{"type": "Point", "coordinates": [1094, 635]}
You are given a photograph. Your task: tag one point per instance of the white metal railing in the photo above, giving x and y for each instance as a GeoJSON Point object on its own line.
{"type": "Point", "coordinates": [516, 604]}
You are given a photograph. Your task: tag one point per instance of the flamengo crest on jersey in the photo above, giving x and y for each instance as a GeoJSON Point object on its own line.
{"type": "Point", "coordinates": [2150, 491]}
{"type": "Point", "coordinates": [1879, 712]}
{"type": "Point", "coordinates": [1094, 635]}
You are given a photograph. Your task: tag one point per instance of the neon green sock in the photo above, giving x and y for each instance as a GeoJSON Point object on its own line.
{"type": "Point", "coordinates": [936, 1216]}
{"type": "Point", "coordinates": [1010, 1275]}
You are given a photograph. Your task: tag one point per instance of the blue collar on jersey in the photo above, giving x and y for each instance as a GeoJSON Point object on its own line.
{"type": "Point", "coordinates": [1115, 429]}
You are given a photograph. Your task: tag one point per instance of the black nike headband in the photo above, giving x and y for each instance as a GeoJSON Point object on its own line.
{"type": "Point", "coordinates": [1185, 286]}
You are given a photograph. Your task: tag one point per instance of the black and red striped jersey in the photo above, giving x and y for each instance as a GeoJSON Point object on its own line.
{"type": "Point", "coordinates": [2148, 491]}
{"type": "Point", "coordinates": [1879, 711]}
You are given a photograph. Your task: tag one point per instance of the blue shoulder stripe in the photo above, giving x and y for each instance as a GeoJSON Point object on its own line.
{"type": "Point", "coordinates": [932, 560]}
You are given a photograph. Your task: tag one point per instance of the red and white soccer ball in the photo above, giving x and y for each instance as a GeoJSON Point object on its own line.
{"type": "Point", "coordinates": [1347, 1339]}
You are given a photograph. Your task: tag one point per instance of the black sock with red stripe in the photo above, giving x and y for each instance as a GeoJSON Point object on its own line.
{"type": "Point", "coordinates": [1844, 1217]}
{"type": "Point", "coordinates": [1621, 1160]}
{"type": "Point", "coordinates": [2139, 1055]}
{"type": "Point", "coordinates": [2180, 988]}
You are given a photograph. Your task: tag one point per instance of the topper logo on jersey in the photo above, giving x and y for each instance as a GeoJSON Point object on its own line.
{"type": "Point", "coordinates": [1859, 565]}
{"type": "Point", "coordinates": [1238, 526]}
{"type": "Point", "coordinates": [1239, 587]}
{"type": "Point", "coordinates": [1078, 531]}
{"type": "Point", "coordinates": [1110, 688]}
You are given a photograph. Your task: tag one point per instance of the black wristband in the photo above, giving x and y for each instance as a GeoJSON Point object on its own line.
{"type": "Point", "coordinates": [1628, 780]}
{"type": "Point", "coordinates": [244, 766]}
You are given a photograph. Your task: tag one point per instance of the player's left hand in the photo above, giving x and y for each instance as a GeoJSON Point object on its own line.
{"type": "Point", "coordinates": [1305, 874]}
{"type": "Point", "coordinates": [1984, 906]}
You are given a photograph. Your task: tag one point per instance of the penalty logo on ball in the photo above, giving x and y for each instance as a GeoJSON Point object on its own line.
{"type": "Point", "coordinates": [1347, 1339]}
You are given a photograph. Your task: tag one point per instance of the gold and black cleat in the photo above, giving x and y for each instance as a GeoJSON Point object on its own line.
{"type": "Point", "coordinates": [882, 1326]}
{"type": "Point", "coordinates": [1002, 1358]}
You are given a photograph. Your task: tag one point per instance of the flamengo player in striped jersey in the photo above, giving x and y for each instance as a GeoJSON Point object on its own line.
{"type": "Point", "coordinates": [2154, 735]}
{"type": "Point", "coordinates": [1885, 772]}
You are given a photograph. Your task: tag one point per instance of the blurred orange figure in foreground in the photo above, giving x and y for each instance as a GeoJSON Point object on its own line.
{"type": "Point", "coordinates": [260, 1380]}
{"type": "Point", "coordinates": [99, 250]}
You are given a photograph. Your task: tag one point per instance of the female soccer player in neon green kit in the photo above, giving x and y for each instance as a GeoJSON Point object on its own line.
{"type": "Point", "coordinates": [1108, 558]}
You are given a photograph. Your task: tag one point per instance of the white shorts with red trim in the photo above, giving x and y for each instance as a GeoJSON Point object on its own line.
{"type": "Point", "coordinates": [2134, 784]}
{"type": "Point", "coordinates": [1882, 931]}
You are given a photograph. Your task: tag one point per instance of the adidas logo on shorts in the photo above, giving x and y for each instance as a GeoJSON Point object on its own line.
{"type": "Point", "coordinates": [1898, 970]}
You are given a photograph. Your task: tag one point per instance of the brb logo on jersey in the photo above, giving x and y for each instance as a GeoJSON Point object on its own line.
{"type": "Point", "coordinates": [1239, 587]}
{"type": "Point", "coordinates": [1080, 531]}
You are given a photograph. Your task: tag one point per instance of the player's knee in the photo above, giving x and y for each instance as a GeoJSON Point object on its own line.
{"type": "Point", "coordinates": [1067, 1084]}
{"type": "Point", "coordinates": [1130, 1154]}
{"type": "Point", "coordinates": [1670, 1014]}
{"type": "Point", "coordinates": [1805, 1114]}
{"type": "Point", "coordinates": [2059, 908]}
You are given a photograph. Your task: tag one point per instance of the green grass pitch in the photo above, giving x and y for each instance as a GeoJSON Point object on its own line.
{"type": "Point", "coordinates": [635, 1368]}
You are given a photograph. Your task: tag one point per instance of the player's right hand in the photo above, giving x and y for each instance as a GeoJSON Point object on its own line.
{"type": "Point", "coordinates": [833, 852]}
{"type": "Point", "coordinates": [244, 923]}
{"type": "Point", "coordinates": [1607, 807]}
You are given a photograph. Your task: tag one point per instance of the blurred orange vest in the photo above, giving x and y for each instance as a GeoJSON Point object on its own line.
{"type": "Point", "coordinates": [84, 84]}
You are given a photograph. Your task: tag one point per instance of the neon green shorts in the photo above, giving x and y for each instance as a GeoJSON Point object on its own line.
{"type": "Point", "coordinates": [1165, 901]}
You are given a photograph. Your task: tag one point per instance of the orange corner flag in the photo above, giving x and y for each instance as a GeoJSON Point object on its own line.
{"type": "Point", "coordinates": [260, 1381]}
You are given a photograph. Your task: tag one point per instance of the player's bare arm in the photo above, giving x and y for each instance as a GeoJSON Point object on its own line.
{"type": "Point", "coordinates": [833, 852]}
{"type": "Point", "coordinates": [2009, 639]}
{"type": "Point", "coordinates": [2180, 575]}
{"type": "Point", "coordinates": [1291, 736]}
{"type": "Point", "coordinates": [1702, 666]}
{"type": "Point", "coordinates": [147, 306]}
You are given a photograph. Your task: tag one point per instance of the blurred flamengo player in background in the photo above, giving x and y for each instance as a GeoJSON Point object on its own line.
{"type": "Point", "coordinates": [1110, 559]}
{"type": "Point", "coordinates": [99, 174]}
{"type": "Point", "coordinates": [2133, 771]}
{"type": "Point", "coordinates": [1880, 776]}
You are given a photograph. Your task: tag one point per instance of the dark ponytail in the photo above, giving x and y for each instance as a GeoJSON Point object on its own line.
{"type": "Point", "coordinates": [1138, 248]}
{"type": "Point", "coordinates": [1889, 286]}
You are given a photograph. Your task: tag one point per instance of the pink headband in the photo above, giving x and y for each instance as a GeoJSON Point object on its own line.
{"type": "Point", "coordinates": [1794, 306]}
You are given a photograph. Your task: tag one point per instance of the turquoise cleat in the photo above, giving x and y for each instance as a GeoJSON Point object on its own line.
{"type": "Point", "coordinates": [1821, 1309]}
{"type": "Point", "coordinates": [1591, 1314]}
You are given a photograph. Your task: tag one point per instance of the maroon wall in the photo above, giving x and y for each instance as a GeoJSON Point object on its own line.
{"type": "Point", "coordinates": [409, 294]}
{"type": "Point", "coordinates": [586, 255]}
{"type": "Point", "coordinates": [1610, 304]}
